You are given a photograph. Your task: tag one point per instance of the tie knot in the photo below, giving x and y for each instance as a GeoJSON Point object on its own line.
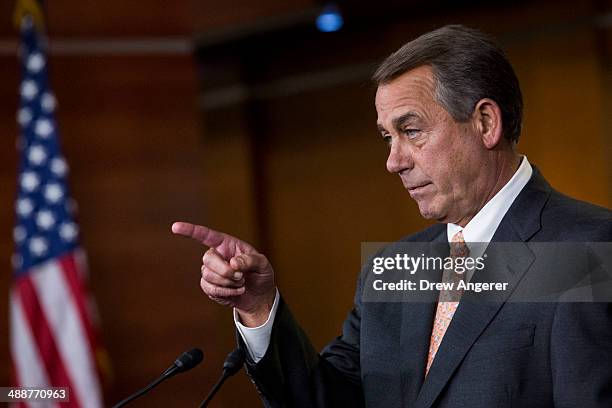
{"type": "Point", "coordinates": [458, 247]}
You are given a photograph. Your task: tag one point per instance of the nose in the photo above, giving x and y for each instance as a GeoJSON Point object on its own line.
{"type": "Point", "coordinates": [400, 158]}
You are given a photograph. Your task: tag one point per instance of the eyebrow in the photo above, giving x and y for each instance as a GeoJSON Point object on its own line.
{"type": "Point", "coordinates": [399, 121]}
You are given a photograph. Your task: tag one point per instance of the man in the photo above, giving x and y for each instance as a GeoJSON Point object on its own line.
{"type": "Point", "coordinates": [450, 108]}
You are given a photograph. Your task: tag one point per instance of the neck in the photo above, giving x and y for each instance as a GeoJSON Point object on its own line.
{"type": "Point", "coordinates": [505, 166]}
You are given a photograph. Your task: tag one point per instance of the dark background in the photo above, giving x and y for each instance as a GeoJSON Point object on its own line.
{"type": "Point", "coordinates": [241, 116]}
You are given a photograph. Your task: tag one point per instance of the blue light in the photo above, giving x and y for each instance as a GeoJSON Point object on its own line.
{"type": "Point", "coordinates": [329, 20]}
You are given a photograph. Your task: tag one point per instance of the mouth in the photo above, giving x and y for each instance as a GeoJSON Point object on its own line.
{"type": "Point", "coordinates": [417, 189]}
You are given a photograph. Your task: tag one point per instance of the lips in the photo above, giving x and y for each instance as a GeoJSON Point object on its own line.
{"type": "Point", "coordinates": [417, 186]}
{"type": "Point", "coordinates": [417, 189]}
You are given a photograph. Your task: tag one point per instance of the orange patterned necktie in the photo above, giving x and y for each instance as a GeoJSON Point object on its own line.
{"type": "Point", "coordinates": [448, 300]}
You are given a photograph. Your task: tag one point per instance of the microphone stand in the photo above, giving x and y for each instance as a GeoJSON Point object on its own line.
{"type": "Point", "coordinates": [184, 362]}
{"type": "Point", "coordinates": [166, 374]}
{"type": "Point", "coordinates": [233, 363]}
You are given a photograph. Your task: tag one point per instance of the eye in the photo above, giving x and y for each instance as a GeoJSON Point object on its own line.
{"type": "Point", "coordinates": [387, 138]}
{"type": "Point", "coordinates": [412, 133]}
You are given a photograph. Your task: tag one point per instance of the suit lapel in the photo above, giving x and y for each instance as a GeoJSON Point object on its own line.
{"type": "Point", "coordinates": [508, 263]}
{"type": "Point", "coordinates": [417, 322]}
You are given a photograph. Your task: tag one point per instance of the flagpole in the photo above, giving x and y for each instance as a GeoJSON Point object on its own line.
{"type": "Point", "coordinates": [32, 8]}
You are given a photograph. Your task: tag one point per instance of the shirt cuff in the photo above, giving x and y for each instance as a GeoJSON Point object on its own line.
{"type": "Point", "coordinates": [257, 339]}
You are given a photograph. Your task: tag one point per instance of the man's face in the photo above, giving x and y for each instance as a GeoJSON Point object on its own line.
{"type": "Point", "coordinates": [437, 158]}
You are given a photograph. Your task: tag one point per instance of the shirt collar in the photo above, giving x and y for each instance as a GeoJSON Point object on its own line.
{"type": "Point", "coordinates": [484, 224]}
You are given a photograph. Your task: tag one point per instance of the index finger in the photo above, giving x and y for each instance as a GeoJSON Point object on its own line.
{"type": "Point", "coordinates": [205, 235]}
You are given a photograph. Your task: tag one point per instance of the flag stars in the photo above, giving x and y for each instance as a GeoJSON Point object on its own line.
{"type": "Point", "coordinates": [38, 246]}
{"type": "Point", "coordinates": [45, 219]}
{"type": "Point", "coordinates": [47, 102]}
{"type": "Point", "coordinates": [24, 207]}
{"type": "Point", "coordinates": [45, 226]}
{"type": "Point", "coordinates": [19, 234]}
{"type": "Point", "coordinates": [59, 166]}
{"type": "Point", "coordinates": [24, 116]}
{"type": "Point", "coordinates": [37, 155]}
{"type": "Point", "coordinates": [29, 89]}
{"type": "Point", "coordinates": [53, 193]}
{"type": "Point", "coordinates": [35, 62]}
{"type": "Point", "coordinates": [43, 128]}
{"type": "Point", "coordinates": [69, 231]}
{"type": "Point", "coordinates": [29, 181]}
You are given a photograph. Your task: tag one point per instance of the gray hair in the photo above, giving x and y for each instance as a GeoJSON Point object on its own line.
{"type": "Point", "coordinates": [468, 66]}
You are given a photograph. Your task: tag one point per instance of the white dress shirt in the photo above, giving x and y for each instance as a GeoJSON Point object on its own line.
{"type": "Point", "coordinates": [257, 338]}
{"type": "Point", "coordinates": [480, 229]}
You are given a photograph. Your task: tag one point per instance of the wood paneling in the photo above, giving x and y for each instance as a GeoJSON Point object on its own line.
{"type": "Point", "coordinates": [143, 18]}
{"type": "Point", "coordinates": [564, 116]}
{"type": "Point", "coordinates": [141, 157]}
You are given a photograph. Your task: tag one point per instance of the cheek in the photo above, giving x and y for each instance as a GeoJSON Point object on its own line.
{"type": "Point", "coordinates": [439, 166]}
{"type": "Point", "coordinates": [454, 161]}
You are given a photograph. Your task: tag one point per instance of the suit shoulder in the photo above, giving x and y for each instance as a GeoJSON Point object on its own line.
{"type": "Point", "coordinates": [578, 219]}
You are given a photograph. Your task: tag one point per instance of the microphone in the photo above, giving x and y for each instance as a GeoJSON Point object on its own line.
{"type": "Point", "coordinates": [232, 364]}
{"type": "Point", "coordinates": [184, 362]}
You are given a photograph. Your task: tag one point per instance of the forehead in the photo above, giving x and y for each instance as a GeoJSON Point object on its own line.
{"type": "Point", "coordinates": [413, 90]}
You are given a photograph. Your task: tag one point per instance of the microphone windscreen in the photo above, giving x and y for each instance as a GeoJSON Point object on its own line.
{"type": "Point", "coordinates": [234, 361]}
{"type": "Point", "coordinates": [189, 359]}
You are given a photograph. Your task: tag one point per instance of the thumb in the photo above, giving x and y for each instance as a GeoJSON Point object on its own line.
{"type": "Point", "coordinates": [249, 262]}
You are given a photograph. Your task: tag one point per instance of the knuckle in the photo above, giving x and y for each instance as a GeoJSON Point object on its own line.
{"type": "Point", "coordinates": [217, 292]}
{"type": "Point", "coordinates": [216, 279]}
{"type": "Point", "coordinates": [227, 272]}
{"type": "Point", "coordinates": [207, 275]}
{"type": "Point", "coordinates": [209, 289]}
{"type": "Point", "coordinates": [204, 285]}
{"type": "Point", "coordinates": [210, 253]}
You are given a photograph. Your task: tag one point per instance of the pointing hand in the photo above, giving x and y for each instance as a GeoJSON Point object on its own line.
{"type": "Point", "coordinates": [233, 273]}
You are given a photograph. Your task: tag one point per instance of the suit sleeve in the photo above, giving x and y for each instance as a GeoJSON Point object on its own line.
{"type": "Point", "coordinates": [293, 374]}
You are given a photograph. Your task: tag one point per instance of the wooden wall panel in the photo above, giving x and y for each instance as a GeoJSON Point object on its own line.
{"type": "Point", "coordinates": [8, 165]}
{"type": "Point", "coordinates": [144, 18]}
{"type": "Point", "coordinates": [564, 116]}
{"type": "Point", "coordinates": [329, 191]}
{"type": "Point", "coordinates": [140, 159]}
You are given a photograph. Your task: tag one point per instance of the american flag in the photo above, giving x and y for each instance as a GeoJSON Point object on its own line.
{"type": "Point", "coordinates": [53, 331]}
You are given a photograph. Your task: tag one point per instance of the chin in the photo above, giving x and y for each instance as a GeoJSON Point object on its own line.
{"type": "Point", "coordinates": [428, 213]}
{"type": "Point", "coordinates": [432, 211]}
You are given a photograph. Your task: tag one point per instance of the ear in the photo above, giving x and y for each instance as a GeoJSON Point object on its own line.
{"type": "Point", "coordinates": [488, 120]}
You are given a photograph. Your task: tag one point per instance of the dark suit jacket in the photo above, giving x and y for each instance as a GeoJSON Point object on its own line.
{"type": "Point", "coordinates": [494, 355]}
